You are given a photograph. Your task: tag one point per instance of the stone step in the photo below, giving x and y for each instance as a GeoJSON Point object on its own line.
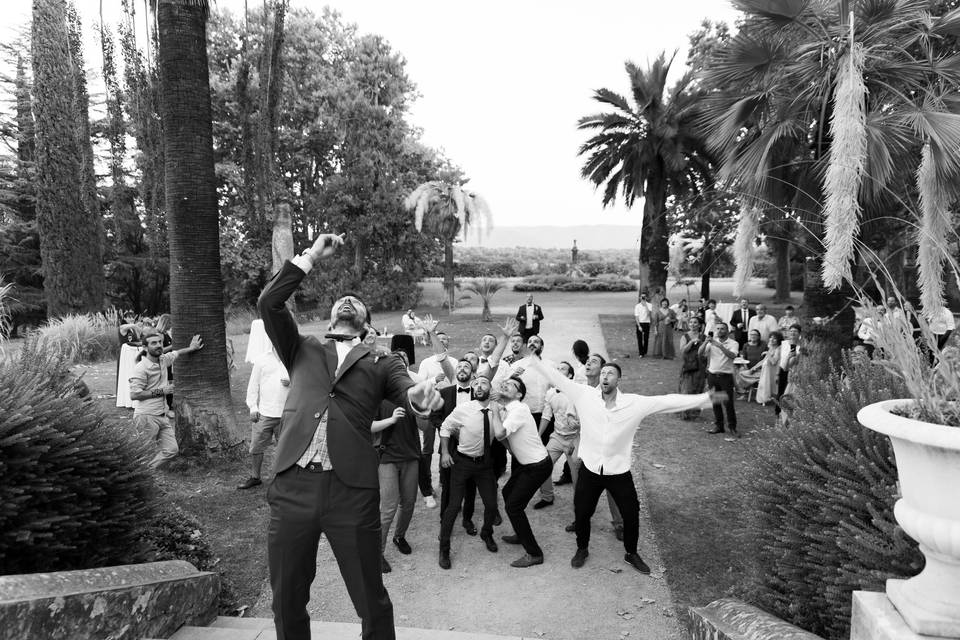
{"type": "Point", "coordinates": [227, 628]}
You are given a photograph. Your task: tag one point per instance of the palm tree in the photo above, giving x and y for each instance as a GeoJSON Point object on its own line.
{"type": "Point", "coordinates": [446, 210]}
{"type": "Point", "coordinates": [485, 289]}
{"type": "Point", "coordinates": [818, 124]}
{"type": "Point", "coordinates": [205, 416]}
{"type": "Point", "coordinates": [650, 148]}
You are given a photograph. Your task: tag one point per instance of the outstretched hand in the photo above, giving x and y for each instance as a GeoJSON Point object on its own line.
{"type": "Point", "coordinates": [509, 327]}
{"type": "Point", "coordinates": [424, 395]}
{"type": "Point", "coordinates": [325, 245]}
{"type": "Point", "coordinates": [427, 323]}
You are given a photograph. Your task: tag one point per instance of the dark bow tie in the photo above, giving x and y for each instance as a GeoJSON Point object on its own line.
{"type": "Point", "coordinates": [341, 337]}
{"type": "Point", "coordinates": [462, 390]}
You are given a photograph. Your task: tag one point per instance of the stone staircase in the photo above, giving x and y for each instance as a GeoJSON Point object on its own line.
{"type": "Point", "coordinates": [224, 628]}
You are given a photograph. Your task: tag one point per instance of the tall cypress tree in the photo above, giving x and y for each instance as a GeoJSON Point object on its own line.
{"type": "Point", "coordinates": [70, 240]}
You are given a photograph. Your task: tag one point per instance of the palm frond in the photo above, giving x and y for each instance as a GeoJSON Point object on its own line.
{"type": "Point", "coordinates": [606, 96]}
{"type": "Point", "coordinates": [779, 12]}
{"type": "Point", "coordinates": [845, 169]}
{"type": "Point", "coordinates": [744, 250]}
{"type": "Point", "coordinates": [933, 232]}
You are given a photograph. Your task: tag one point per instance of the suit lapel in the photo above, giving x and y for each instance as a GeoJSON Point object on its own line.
{"type": "Point", "coordinates": [355, 354]}
{"type": "Point", "coordinates": [330, 357]}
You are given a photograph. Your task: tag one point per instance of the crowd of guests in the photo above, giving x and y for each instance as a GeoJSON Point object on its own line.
{"type": "Point", "coordinates": [751, 356]}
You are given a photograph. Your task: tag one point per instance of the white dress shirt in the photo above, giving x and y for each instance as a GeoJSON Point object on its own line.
{"type": "Point", "coordinates": [641, 311]}
{"type": "Point", "coordinates": [466, 420]}
{"type": "Point", "coordinates": [606, 434]}
{"type": "Point", "coordinates": [942, 322]}
{"type": "Point", "coordinates": [431, 367]}
{"type": "Point", "coordinates": [535, 383]}
{"type": "Point", "coordinates": [765, 325]}
{"type": "Point", "coordinates": [558, 407]}
{"type": "Point", "coordinates": [530, 315]}
{"type": "Point", "coordinates": [522, 435]}
{"type": "Point", "coordinates": [266, 395]}
{"type": "Point", "coordinates": [717, 360]}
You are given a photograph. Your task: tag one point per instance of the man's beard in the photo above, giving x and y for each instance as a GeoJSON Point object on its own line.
{"type": "Point", "coordinates": [349, 318]}
{"type": "Point", "coordinates": [463, 376]}
{"type": "Point", "coordinates": [481, 394]}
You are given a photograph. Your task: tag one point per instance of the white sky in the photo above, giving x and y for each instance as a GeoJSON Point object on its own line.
{"type": "Point", "coordinates": [502, 84]}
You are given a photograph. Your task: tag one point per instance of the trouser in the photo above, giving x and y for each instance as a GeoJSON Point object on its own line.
{"type": "Point", "coordinates": [545, 436]}
{"type": "Point", "coordinates": [469, 494]}
{"type": "Point", "coordinates": [517, 493]}
{"type": "Point", "coordinates": [723, 382]}
{"type": "Point", "coordinates": [590, 486]}
{"type": "Point", "coordinates": [158, 428]}
{"type": "Point", "coordinates": [398, 487]}
{"type": "Point", "coordinates": [643, 337]}
{"type": "Point", "coordinates": [782, 379]}
{"type": "Point", "coordinates": [425, 474]}
{"type": "Point", "coordinates": [480, 470]}
{"type": "Point", "coordinates": [557, 446]}
{"type": "Point", "coordinates": [302, 506]}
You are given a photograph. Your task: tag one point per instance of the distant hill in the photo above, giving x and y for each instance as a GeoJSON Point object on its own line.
{"type": "Point", "coordinates": [594, 236]}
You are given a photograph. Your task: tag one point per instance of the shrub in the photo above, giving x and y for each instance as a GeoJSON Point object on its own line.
{"type": "Point", "coordinates": [531, 286]}
{"type": "Point", "coordinates": [74, 488]}
{"type": "Point", "coordinates": [89, 337]}
{"type": "Point", "coordinates": [820, 502]}
{"type": "Point", "coordinates": [238, 319]}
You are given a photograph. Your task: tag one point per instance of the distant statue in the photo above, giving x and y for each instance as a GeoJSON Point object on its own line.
{"type": "Point", "coordinates": [574, 253]}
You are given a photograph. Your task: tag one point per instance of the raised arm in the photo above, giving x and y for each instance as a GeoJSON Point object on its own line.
{"type": "Point", "coordinates": [560, 381]}
{"type": "Point", "coordinates": [507, 329]}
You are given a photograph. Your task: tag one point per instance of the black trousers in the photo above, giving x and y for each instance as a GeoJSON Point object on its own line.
{"type": "Point", "coordinates": [782, 379]}
{"type": "Point", "coordinates": [586, 495]}
{"type": "Point", "coordinates": [463, 470]}
{"type": "Point", "coordinates": [302, 506]}
{"type": "Point", "coordinates": [469, 498]}
{"type": "Point", "coordinates": [524, 481]}
{"type": "Point", "coordinates": [526, 333]}
{"type": "Point", "coordinates": [643, 337]}
{"type": "Point", "coordinates": [723, 382]}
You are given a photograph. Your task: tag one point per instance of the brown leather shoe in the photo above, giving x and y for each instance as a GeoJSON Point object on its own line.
{"type": "Point", "coordinates": [527, 561]}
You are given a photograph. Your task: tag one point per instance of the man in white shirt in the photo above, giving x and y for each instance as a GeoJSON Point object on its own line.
{"type": "Point", "coordinates": [488, 342]}
{"type": "Point", "coordinates": [531, 466]}
{"type": "Point", "coordinates": [433, 368]}
{"type": "Point", "coordinates": [764, 323]}
{"type": "Point", "coordinates": [565, 436]}
{"type": "Point", "coordinates": [720, 352]}
{"type": "Point", "coordinates": [609, 419]}
{"type": "Point", "coordinates": [266, 394]}
{"type": "Point", "coordinates": [942, 325]}
{"type": "Point", "coordinates": [536, 384]}
{"type": "Point", "coordinates": [149, 386]}
{"type": "Point", "coordinates": [787, 320]}
{"type": "Point", "coordinates": [641, 313]}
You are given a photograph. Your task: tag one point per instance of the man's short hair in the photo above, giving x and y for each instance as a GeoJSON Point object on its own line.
{"type": "Point", "coordinates": [789, 307]}
{"type": "Point", "coordinates": [797, 327]}
{"type": "Point", "coordinates": [614, 365]}
{"type": "Point", "coordinates": [537, 336]}
{"type": "Point", "coordinates": [603, 360]}
{"type": "Point", "coordinates": [467, 361]}
{"type": "Point", "coordinates": [150, 333]}
{"type": "Point", "coordinates": [489, 334]}
{"type": "Point", "coordinates": [569, 368]}
{"type": "Point", "coordinates": [520, 386]}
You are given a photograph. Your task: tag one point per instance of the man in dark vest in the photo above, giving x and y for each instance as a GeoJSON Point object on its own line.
{"type": "Point", "coordinates": [326, 465]}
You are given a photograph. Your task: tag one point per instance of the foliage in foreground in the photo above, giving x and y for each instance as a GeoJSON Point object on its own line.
{"type": "Point", "coordinates": [820, 503]}
{"type": "Point", "coordinates": [74, 489]}
{"type": "Point", "coordinates": [87, 337]}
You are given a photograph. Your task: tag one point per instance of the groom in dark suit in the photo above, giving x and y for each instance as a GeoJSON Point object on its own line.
{"type": "Point", "coordinates": [326, 480]}
{"type": "Point", "coordinates": [529, 316]}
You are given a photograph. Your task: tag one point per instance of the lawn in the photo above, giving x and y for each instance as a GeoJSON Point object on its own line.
{"type": "Point", "coordinates": [692, 479]}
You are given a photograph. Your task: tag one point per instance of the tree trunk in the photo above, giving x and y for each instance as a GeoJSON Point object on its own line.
{"type": "Point", "coordinates": [448, 282]}
{"type": "Point", "coordinates": [205, 417]}
{"type": "Point", "coordinates": [70, 245]}
{"type": "Point", "coordinates": [781, 250]}
{"type": "Point", "coordinates": [706, 268]}
{"type": "Point", "coordinates": [654, 247]}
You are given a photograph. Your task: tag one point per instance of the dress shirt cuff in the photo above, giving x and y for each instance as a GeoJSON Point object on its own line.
{"type": "Point", "coordinates": [303, 262]}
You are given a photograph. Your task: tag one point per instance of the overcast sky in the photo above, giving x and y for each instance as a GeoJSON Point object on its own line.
{"type": "Point", "coordinates": [503, 83]}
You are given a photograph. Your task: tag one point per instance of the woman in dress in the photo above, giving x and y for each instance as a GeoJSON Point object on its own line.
{"type": "Point", "coordinates": [683, 316]}
{"type": "Point", "coordinates": [749, 374]}
{"type": "Point", "coordinates": [770, 369]}
{"type": "Point", "coordinates": [662, 322]}
{"type": "Point", "coordinates": [693, 370]}
{"type": "Point", "coordinates": [130, 333]}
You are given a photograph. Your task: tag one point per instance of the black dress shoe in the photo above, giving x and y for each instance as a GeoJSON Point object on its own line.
{"type": "Point", "coordinates": [579, 558]}
{"type": "Point", "coordinates": [734, 432]}
{"type": "Point", "coordinates": [402, 545]}
{"type": "Point", "coordinates": [445, 560]}
{"type": "Point", "coordinates": [497, 520]}
{"type": "Point", "coordinates": [636, 562]}
{"type": "Point", "coordinates": [490, 542]}
{"type": "Point", "coordinates": [543, 503]}
{"type": "Point", "coordinates": [470, 527]}
{"type": "Point", "coordinates": [570, 528]}
{"type": "Point", "coordinates": [715, 430]}
{"type": "Point", "coordinates": [249, 483]}
{"type": "Point", "coordinates": [511, 539]}
{"type": "Point", "coordinates": [527, 561]}
{"type": "Point", "coordinates": [384, 565]}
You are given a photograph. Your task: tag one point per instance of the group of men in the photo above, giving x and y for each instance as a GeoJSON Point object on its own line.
{"type": "Point", "coordinates": [326, 465]}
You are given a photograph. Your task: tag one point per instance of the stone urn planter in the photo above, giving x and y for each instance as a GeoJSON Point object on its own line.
{"type": "Point", "coordinates": [928, 463]}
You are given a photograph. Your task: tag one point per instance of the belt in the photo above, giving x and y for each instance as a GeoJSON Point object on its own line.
{"type": "Point", "coordinates": [478, 459]}
{"type": "Point", "coordinates": [313, 467]}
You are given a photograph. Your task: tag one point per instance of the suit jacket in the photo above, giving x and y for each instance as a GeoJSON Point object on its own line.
{"type": "Point", "coordinates": [351, 396]}
{"type": "Point", "coordinates": [522, 317]}
{"type": "Point", "coordinates": [740, 335]}
{"type": "Point", "coordinates": [497, 448]}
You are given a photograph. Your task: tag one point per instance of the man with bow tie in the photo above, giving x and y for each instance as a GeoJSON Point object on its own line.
{"type": "Point", "coordinates": [326, 466]}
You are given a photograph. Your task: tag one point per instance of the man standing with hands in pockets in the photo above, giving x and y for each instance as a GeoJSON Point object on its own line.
{"type": "Point", "coordinates": [326, 466]}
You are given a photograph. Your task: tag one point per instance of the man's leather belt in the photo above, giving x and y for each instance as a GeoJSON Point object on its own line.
{"type": "Point", "coordinates": [314, 467]}
{"type": "Point", "coordinates": [477, 459]}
